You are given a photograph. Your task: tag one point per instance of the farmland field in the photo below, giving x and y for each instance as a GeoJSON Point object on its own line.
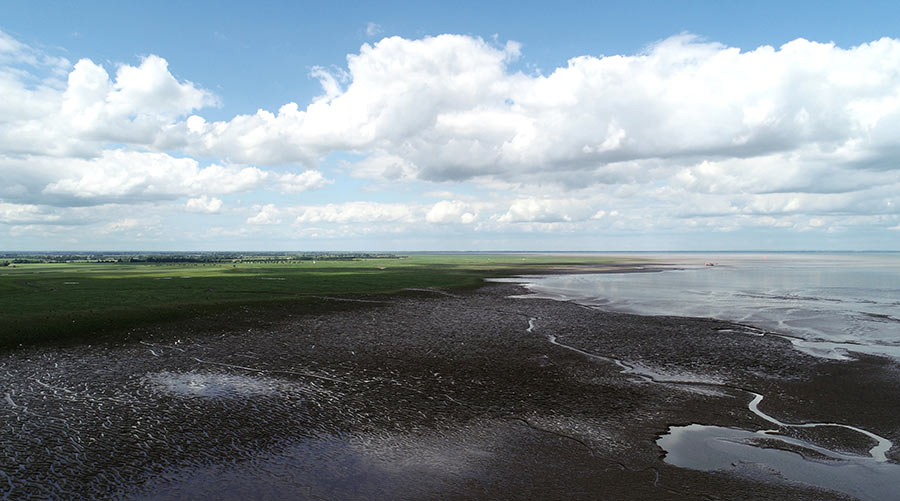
{"type": "Point", "coordinates": [42, 302]}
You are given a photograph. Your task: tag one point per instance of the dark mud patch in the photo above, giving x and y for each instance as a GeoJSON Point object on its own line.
{"type": "Point", "coordinates": [410, 396]}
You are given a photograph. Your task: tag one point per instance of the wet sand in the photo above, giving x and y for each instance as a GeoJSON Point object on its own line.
{"type": "Point", "coordinates": [422, 395]}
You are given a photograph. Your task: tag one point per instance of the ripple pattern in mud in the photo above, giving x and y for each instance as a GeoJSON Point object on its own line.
{"type": "Point", "coordinates": [82, 422]}
{"type": "Point", "coordinates": [222, 385]}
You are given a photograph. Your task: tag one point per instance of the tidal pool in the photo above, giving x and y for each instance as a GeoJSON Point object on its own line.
{"type": "Point", "coordinates": [779, 458]}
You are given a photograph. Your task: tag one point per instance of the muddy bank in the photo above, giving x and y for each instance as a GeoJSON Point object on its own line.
{"type": "Point", "coordinates": [419, 395]}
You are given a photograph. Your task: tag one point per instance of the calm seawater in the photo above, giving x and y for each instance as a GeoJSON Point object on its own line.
{"type": "Point", "coordinates": [829, 304]}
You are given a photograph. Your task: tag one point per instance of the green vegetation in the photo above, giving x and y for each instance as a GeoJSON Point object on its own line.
{"type": "Point", "coordinates": [182, 257]}
{"type": "Point", "coordinates": [79, 299]}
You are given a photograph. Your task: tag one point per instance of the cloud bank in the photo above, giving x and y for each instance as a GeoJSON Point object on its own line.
{"type": "Point", "coordinates": [687, 135]}
{"type": "Point", "coordinates": [449, 109]}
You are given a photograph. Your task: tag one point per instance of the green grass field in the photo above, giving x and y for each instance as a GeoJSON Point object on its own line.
{"type": "Point", "coordinates": [45, 302]}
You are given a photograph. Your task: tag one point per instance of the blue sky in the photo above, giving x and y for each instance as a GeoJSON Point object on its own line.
{"type": "Point", "coordinates": [472, 126]}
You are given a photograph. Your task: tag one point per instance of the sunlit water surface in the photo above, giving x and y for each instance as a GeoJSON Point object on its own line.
{"type": "Point", "coordinates": [829, 304]}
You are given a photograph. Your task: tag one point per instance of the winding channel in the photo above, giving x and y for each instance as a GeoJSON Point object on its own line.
{"type": "Point", "coordinates": [718, 448]}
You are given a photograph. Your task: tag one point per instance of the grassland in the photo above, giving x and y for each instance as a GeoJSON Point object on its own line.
{"type": "Point", "coordinates": [58, 302]}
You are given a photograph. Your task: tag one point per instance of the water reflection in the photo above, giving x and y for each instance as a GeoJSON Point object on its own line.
{"type": "Point", "coordinates": [212, 385]}
{"type": "Point", "coordinates": [847, 302]}
{"type": "Point", "coordinates": [82, 422]}
{"type": "Point", "coordinates": [362, 466]}
{"type": "Point", "coordinates": [779, 458]}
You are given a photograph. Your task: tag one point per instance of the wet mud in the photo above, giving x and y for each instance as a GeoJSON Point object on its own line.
{"type": "Point", "coordinates": [422, 395]}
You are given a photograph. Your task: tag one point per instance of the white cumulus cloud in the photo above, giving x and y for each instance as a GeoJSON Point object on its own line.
{"type": "Point", "coordinates": [356, 212]}
{"type": "Point", "coordinates": [532, 210]}
{"type": "Point", "coordinates": [126, 175]}
{"type": "Point", "coordinates": [306, 180]}
{"type": "Point", "coordinates": [138, 106]}
{"type": "Point", "coordinates": [25, 213]}
{"type": "Point", "coordinates": [448, 108]}
{"type": "Point", "coordinates": [687, 135]}
{"type": "Point", "coordinates": [204, 204]}
{"type": "Point", "coordinates": [373, 29]}
{"type": "Point", "coordinates": [450, 211]}
{"type": "Point", "coordinates": [122, 225]}
{"type": "Point", "coordinates": [266, 214]}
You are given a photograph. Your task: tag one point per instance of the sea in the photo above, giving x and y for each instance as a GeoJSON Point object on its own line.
{"type": "Point", "coordinates": [828, 304]}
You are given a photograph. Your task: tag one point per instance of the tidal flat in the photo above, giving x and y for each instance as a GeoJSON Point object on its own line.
{"type": "Point", "coordinates": [424, 394]}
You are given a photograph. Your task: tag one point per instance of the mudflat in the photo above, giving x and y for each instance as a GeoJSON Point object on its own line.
{"type": "Point", "coordinates": [427, 394]}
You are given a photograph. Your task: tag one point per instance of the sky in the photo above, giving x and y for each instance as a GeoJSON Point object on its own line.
{"type": "Point", "coordinates": [464, 126]}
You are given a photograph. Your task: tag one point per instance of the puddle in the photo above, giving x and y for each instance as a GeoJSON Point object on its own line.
{"type": "Point", "coordinates": [714, 448]}
{"type": "Point", "coordinates": [362, 466]}
{"type": "Point", "coordinates": [212, 385]}
{"type": "Point", "coordinates": [764, 453]}
{"type": "Point", "coordinates": [224, 385]}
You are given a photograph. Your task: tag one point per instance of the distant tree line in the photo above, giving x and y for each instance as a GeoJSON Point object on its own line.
{"type": "Point", "coordinates": [180, 257]}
